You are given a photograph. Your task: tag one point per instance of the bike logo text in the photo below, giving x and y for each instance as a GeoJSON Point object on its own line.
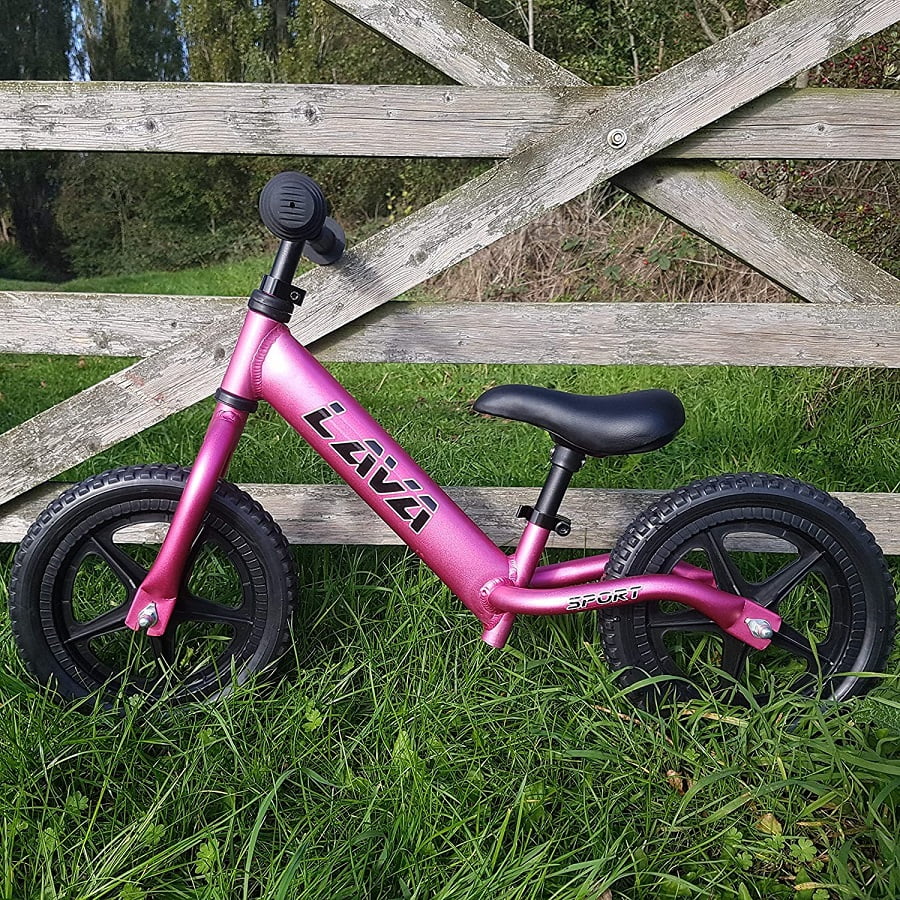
{"type": "Point", "coordinates": [372, 463]}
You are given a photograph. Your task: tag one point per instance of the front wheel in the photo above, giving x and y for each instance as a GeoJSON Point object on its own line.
{"type": "Point", "coordinates": [78, 568]}
{"type": "Point", "coordinates": [786, 545]}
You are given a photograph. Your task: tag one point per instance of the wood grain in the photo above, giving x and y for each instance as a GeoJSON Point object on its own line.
{"type": "Point", "coordinates": [414, 120]}
{"type": "Point", "coordinates": [333, 514]}
{"type": "Point", "coordinates": [751, 334]}
{"type": "Point", "coordinates": [770, 334]}
{"type": "Point", "coordinates": [80, 324]}
{"type": "Point", "coordinates": [823, 123]}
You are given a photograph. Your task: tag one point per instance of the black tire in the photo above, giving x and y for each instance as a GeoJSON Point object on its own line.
{"type": "Point", "coordinates": [72, 585]}
{"type": "Point", "coordinates": [829, 582]}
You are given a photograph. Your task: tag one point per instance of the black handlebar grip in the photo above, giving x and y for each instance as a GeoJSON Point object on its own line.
{"type": "Point", "coordinates": [293, 207]}
{"type": "Point", "coordinates": [329, 246]}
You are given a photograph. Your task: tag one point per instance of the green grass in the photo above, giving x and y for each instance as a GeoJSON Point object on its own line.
{"type": "Point", "coordinates": [799, 422]}
{"type": "Point", "coordinates": [228, 279]}
{"type": "Point", "coordinates": [401, 757]}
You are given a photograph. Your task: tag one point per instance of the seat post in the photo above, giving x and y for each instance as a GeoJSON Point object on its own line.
{"type": "Point", "coordinates": [564, 463]}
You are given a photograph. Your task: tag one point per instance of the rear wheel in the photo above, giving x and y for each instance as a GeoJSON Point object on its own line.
{"type": "Point", "coordinates": [822, 573]}
{"type": "Point", "coordinates": [78, 568]}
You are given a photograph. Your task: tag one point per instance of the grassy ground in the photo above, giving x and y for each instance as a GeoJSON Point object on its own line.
{"type": "Point", "coordinates": [223, 279]}
{"type": "Point", "coordinates": [402, 758]}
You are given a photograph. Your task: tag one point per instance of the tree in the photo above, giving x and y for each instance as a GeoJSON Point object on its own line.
{"type": "Point", "coordinates": [34, 44]}
{"type": "Point", "coordinates": [129, 40]}
{"type": "Point", "coordinates": [225, 40]}
{"type": "Point", "coordinates": [119, 226]}
{"type": "Point", "coordinates": [312, 42]}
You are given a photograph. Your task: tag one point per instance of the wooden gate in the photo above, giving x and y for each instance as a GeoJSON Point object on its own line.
{"type": "Point", "coordinates": [555, 137]}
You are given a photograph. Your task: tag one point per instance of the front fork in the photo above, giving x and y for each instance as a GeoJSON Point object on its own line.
{"type": "Point", "coordinates": [155, 599]}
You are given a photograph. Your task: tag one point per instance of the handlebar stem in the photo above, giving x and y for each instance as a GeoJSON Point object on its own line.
{"type": "Point", "coordinates": [286, 260]}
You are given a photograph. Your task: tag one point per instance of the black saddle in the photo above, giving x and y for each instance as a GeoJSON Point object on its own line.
{"type": "Point", "coordinates": [598, 426]}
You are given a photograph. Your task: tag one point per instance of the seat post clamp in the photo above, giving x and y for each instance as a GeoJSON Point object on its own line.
{"type": "Point", "coordinates": [557, 524]}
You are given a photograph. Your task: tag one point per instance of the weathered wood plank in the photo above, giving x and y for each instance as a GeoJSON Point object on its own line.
{"type": "Point", "coordinates": [815, 123]}
{"type": "Point", "coordinates": [547, 173]}
{"type": "Point", "coordinates": [752, 334]}
{"type": "Point", "coordinates": [770, 334]}
{"type": "Point", "coordinates": [80, 324]}
{"type": "Point", "coordinates": [413, 120]}
{"type": "Point", "coordinates": [694, 196]}
{"type": "Point", "coordinates": [438, 32]}
{"type": "Point", "coordinates": [333, 514]}
{"type": "Point", "coordinates": [343, 120]}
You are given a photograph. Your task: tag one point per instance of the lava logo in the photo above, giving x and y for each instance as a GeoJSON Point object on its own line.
{"type": "Point", "coordinates": [371, 462]}
{"type": "Point", "coordinates": [619, 595]}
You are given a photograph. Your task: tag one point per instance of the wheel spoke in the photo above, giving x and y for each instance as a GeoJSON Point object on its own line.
{"type": "Point", "coordinates": [791, 640]}
{"type": "Point", "coordinates": [106, 623]}
{"type": "Point", "coordinates": [126, 569]}
{"type": "Point", "coordinates": [196, 547]}
{"type": "Point", "coordinates": [728, 576]}
{"type": "Point", "coordinates": [773, 590]}
{"type": "Point", "coordinates": [197, 609]}
{"type": "Point", "coordinates": [163, 648]}
{"type": "Point", "coordinates": [683, 620]}
{"type": "Point", "coordinates": [734, 655]}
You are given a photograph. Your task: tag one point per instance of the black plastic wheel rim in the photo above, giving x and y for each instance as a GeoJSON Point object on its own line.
{"type": "Point", "coordinates": [809, 582]}
{"type": "Point", "coordinates": [92, 578]}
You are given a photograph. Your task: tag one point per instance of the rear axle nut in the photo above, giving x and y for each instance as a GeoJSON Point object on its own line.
{"type": "Point", "coordinates": [760, 628]}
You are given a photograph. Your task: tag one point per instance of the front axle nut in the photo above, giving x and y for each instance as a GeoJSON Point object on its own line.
{"type": "Point", "coordinates": [148, 616]}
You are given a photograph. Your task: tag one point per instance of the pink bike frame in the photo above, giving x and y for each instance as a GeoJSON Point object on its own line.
{"type": "Point", "coordinates": [269, 364]}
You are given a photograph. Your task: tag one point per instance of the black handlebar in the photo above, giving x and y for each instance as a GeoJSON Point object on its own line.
{"type": "Point", "coordinates": [293, 208]}
{"type": "Point", "coordinates": [329, 246]}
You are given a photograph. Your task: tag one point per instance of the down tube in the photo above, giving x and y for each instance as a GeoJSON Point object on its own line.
{"type": "Point", "coordinates": [324, 413]}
